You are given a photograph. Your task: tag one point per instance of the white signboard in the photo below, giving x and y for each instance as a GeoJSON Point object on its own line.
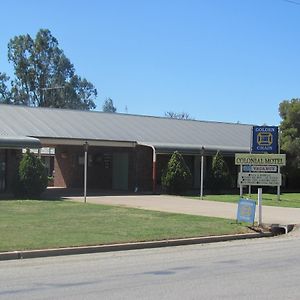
{"type": "Point", "coordinates": [260, 159]}
{"type": "Point", "coordinates": [261, 179]}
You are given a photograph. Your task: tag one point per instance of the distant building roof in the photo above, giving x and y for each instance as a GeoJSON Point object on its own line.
{"type": "Point", "coordinates": [163, 133]}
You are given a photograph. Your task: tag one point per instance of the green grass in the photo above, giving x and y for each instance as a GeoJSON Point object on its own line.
{"type": "Point", "coordinates": [286, 199]}
{"type": "Point", "coordinates": [32, 224]}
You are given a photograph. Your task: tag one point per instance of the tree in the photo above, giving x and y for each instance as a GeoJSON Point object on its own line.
{"type": "Point", "coordinates": [44, 76]}
{"type": "Point", "coordinates": [289, 111]}
{"type": "Point", "coordinates": [290, 127]}
{"type": "Point", "coordinates": [182, 115]}
{"type": "Point", "coordinates": [178, 178]}
{"type": "Point", "coordinates": [4, 92]}
{"type": "Point", "coordinates": [219, 177]}
{"type": "Point", "coordinates": [31, 178]}
{"type": "Point", "coordinates": [108, 106]}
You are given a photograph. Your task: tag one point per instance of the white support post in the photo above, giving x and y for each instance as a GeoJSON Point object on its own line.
{"type": "Point", "coordinates": [154, 171]}
{"type": "Point", "coordinates": [202, 172]}
{"type": "Point", "coordinates": [241, 186]}
{"type": "Point", "coordinates": [259, 201]}
{"type": "Point", "coordinates": [85, 169]}
{"type": "Point", "coordinates": [278, 186]}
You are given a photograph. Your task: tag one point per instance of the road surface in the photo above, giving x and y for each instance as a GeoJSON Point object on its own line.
{"type": "Point", "coordinates": [267, 268]}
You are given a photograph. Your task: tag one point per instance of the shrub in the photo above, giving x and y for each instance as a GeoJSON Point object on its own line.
{"type": "Point", "coordinates": [220, 177]}
{"type": "Point", "coordinates": [177, 178]}
{"type": "Point", "coordinates": [31, 179]}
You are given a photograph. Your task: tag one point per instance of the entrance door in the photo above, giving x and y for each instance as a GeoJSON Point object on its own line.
{"type": "Point", "coordinates": [120, 171]}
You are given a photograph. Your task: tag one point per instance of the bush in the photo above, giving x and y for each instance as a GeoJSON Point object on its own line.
{"type": "Point", "coordinates": [31, 179]}
{"type": "Point", "coordinates": [177, 178]}
{"type": "Point", "coordinates": [220, 177]}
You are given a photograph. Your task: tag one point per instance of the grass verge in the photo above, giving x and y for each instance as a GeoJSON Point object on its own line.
{"type": "Point", "coordinates": [28, 224]}
{"type": "Point", "coordinates": [286, 199]}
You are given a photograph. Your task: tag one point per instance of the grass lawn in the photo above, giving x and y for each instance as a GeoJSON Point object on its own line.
{"type": "Point", "coordinates": [286, 199]}
{"type": "Point", "coordinates": [29, 224]}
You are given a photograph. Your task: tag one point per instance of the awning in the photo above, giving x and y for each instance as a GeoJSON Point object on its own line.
{"type": "Point", "coordinates": [19, 142]}
{"type": "Point", "coordinates": [168, 148]}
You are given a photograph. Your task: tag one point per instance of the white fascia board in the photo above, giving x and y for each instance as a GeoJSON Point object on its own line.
{"type": "Point", "coordinates": [78, 142]}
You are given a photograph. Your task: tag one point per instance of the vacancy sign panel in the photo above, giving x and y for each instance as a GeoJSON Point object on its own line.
{"type": "Point", "coordinates": [261, 179]}
{"type": "Point", "coordinates": [259, 169]}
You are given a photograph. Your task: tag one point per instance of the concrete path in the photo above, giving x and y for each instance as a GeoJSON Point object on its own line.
{"type": "Point", "coordinates": [175, 204]}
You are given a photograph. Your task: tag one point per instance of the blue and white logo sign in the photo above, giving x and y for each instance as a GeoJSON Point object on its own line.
{"type": "Point", "coordinates": [265, 139]}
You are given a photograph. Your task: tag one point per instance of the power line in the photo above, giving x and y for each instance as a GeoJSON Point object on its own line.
{"type": "Point", "coordinates": [291, 1]}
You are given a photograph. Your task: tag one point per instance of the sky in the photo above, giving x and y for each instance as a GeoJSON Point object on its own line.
{"type": "Point", "coordinates": [217, 60]}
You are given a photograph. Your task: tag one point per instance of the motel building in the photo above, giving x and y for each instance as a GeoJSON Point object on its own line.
{"type": "Point", "coordinates": [124, 152]}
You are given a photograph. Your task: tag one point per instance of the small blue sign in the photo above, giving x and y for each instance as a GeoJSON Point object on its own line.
{"type": "Point", "coordinates": [246, 211]}
{"type": "Point", "coordinates": [265, 139]}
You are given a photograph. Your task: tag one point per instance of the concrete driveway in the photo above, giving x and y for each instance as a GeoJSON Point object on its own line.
{"type": "Point", "coordinates": [176, 204]}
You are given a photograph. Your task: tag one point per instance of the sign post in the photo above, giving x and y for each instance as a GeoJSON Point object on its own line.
{"type": "Point", "coordinates": [262, 166]}
{"type": "Point", "coordinates": [259, 202]}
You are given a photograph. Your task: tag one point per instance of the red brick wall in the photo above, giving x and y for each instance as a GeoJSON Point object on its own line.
{"type": "Point", "coordinates": [65, 167]}
{"type": "Point", "coordinates": [144, 168]}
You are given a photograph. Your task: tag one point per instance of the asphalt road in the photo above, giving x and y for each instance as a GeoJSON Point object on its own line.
{"type": "Point", "coordinates": [267, 268]}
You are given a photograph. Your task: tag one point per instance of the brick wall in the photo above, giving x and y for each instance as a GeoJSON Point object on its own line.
{"type": "Point", "coordinates": [144, 168]}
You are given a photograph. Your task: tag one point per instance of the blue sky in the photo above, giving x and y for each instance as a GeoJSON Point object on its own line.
{"type": "Point", "coordinates": [219, 60]}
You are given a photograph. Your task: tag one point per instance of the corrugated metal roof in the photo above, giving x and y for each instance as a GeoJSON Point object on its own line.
{"type": "Point", "coordinates": [87, 125]}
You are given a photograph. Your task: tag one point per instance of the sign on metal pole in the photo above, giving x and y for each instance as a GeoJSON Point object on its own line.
{"type": "Point", "coordinates": [265, 139]}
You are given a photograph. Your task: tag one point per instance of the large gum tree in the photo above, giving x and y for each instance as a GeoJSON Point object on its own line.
{"type": "Point", "coordinates": [289, 111]}
{"type": "Point", "coordinates": [44, 76]}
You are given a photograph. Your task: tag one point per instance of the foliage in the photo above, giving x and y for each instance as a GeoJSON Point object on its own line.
{"type": "Point", "coordinates": [4, 92]}
{"type": "Point", "coordinates": [290, 139]}
{"type": "Point", "coordinates": [219, 177]}
{"type": "Point", "coordinates": [44, 76]}
{"type": "Point", "coordinates": [177, 178]}
{"type": "Point", "coordinates": [290, 127]}
{"type": "Point", "coordinates": [31, 179]}
{"type": "Point", "coordinates": [108, 106]}
{"type": "Point", "coordinates": [181, 115]}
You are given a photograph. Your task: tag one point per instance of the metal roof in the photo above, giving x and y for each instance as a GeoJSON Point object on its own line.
{"type": "Point", "coordinates": [163, 133]}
